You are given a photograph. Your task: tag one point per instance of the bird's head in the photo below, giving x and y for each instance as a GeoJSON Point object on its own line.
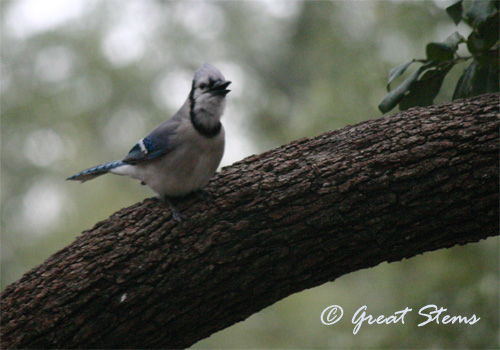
{"type": "Point", "coordinates": [208, 92]}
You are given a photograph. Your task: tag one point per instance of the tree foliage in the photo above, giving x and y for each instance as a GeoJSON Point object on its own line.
{"type": "Point", "coordinates": [481, 76]}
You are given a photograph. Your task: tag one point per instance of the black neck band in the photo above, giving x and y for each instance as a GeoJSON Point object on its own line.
{"type": "Point", "coordinates": [202, 128]}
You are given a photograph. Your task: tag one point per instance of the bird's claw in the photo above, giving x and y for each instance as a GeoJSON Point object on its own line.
{"type": "Point", "coordinates": [176, 214]}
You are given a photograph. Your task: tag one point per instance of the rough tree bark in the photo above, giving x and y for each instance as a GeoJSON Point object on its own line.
{"type": "Point", "coordinates": [279, 222]}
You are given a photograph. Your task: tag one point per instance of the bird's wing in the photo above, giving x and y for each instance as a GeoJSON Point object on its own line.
{"type": "Point", "coordinates": [159, 142]}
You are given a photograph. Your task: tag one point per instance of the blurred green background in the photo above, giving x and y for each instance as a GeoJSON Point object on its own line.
{"type": "Point", "coordinates": [83, 80]}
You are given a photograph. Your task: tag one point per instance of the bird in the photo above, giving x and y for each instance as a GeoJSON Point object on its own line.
{"type": "Point", "coordinates": [183, 153]}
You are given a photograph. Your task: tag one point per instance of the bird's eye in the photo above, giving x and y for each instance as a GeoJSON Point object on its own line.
{"type": "Point", "coordinates": [203, 85]}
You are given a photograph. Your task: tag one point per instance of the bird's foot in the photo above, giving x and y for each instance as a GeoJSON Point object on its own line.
{"type": "Point", "coordinates": [176, 214]}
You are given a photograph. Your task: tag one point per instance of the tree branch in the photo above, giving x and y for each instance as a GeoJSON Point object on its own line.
{"type": "Point", "coordinates": [280, 222]}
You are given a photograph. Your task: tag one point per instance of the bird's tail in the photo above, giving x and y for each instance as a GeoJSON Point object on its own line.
{"type": "Point", "coordinates": [96, 171]}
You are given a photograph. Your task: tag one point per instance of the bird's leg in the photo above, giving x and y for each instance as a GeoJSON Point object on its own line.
{"type": "Point", "coordinates": [176, 214]}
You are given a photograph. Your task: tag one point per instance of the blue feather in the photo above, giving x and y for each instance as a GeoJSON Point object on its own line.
{"type": "Point", "coordinates": [93, 172]}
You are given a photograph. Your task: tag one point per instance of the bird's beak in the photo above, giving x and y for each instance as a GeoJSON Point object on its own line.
{"type": "Point", "coordinates": [220, 88]}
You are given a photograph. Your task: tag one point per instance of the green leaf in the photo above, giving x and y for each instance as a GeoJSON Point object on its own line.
{"type": "Point", "coordinates": [396, 72]}
{"type": "Point", "coordinates": [489, 26]}
{"type": "Point", "coordinates": [479, 78]}
{"type": "Point", "coordinates": [490, 58]}
{"type": "Point", "coordinates": [480, 11]}
{"type": "Point", "coordinates": [475, 43]}
{"type": "Point", "coordinates": [489, 30]}
{"type": "Point", "coordinates": [392, 98]}
{"type": "Point", "coordinates": [444, 51]}
{"type": "Point", "coordinates": [423, 91]}
{"type": "Point", "coordinates": [485, 36]}
{"type": "Point", "coordinates": [453, 40]}
{"type": "Point", "coordinates": [455, 11]}
{"type": "Point", "coordinates": [464, 84]}
{"type": "Point", "coordinates": [485, 79]}
{"type": "Point", "coordinates": [438, 52]}
{"type": "Point", "coordinates": [492, 81]}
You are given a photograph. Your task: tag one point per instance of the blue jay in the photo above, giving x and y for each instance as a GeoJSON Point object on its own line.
{"type": "Point", "coordinates": [183, 153]}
